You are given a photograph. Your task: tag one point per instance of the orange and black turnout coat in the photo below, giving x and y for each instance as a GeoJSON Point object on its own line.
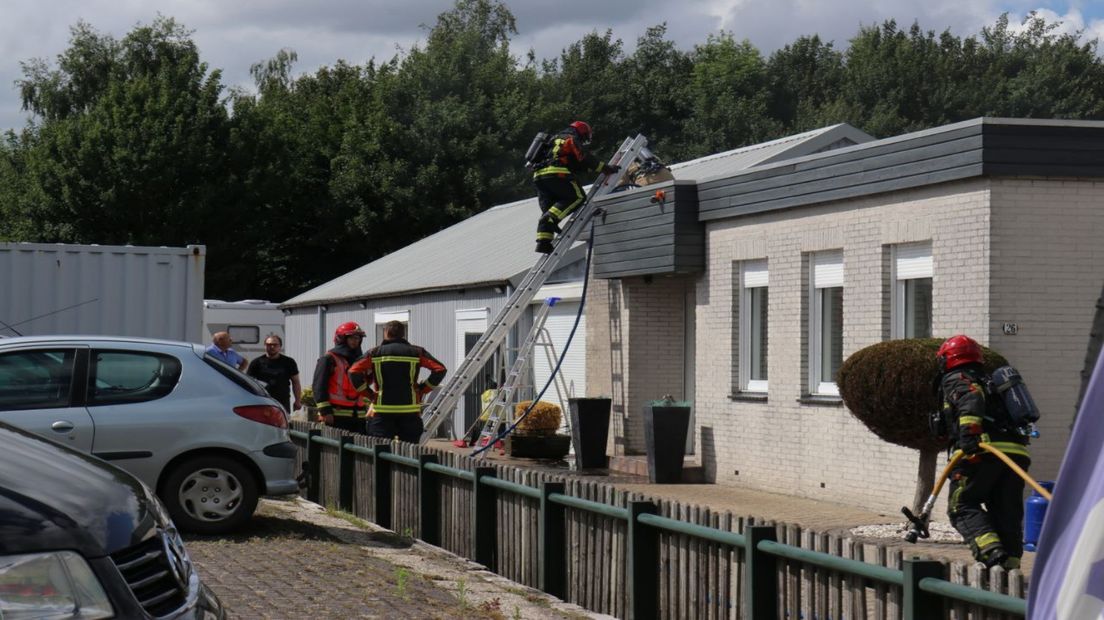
{"type": "Point", "coordinates": [567, 157]}
{"type": "Point", "coordinates": [388, 374]}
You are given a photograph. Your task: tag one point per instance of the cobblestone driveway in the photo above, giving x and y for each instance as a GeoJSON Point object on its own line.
{"type": "Point", "coordinates": [297, 561]}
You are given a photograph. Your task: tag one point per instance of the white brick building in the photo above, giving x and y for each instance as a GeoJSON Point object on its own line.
{"type": "Point", "coordinates": [984, 228]}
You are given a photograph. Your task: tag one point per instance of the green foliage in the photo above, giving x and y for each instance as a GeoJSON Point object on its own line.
{"type": "Point", "coordinates": [891, 388]}
{"type": "Point", "coordinates": [310, 176]}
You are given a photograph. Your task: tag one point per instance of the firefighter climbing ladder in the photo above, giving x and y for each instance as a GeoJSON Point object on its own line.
{"type": "Point", "coordinates": [499, 410]}
{"type": "Point", "coordinates": [453, 389]}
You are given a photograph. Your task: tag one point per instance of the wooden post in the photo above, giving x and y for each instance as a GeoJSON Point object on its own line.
{"type": "Point", "coordinates": [920, 604]}
{"type": "Point", "coordinates": [381, 481]}
{"type": "Point", "coordinates": [345, 468]}
{"type": "Point", "coordinates": [641, 563]}
{"type": "Point", "coordinates": [762, 574]}
{"type": "Point", "coordinates": [553, 541]}
{"type": "Point", "coordinates": [484, 519]}
{"type": "Point", "coordinates": [429, 502]}
{"type": "Point", "coordinates": [314, 465]}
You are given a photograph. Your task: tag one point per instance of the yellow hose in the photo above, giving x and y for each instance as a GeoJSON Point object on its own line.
{"type": "Point", "coordinates": [1016, 468]}
{"type": "Point", "coordinates": [955, 458]}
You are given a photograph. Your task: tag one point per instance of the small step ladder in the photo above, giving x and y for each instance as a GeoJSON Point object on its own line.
{"type": "Point", "coordinates": [444, 402]}
{"type": "Point", "coordinates": [500, 410]}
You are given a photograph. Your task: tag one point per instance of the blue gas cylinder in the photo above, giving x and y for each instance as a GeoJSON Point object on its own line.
{"type": "Point", "coordinates": [1034, 512]}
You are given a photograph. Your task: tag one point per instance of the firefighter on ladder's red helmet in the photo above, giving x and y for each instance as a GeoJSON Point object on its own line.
{"type": "Point", "coordinates": [583, 129]}
{"type": "Point", "coordinates": [956, 351]}
{"type": "Point", "coordinates": [345, 330]}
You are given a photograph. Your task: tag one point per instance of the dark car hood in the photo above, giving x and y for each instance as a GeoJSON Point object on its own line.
{"type": "Point", "coordinates": [53, 497]}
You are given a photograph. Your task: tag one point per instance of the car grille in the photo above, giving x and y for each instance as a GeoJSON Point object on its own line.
{"type": "Point", "coordinates": [157, 572]}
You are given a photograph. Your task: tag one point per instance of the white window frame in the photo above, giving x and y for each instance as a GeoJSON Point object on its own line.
{"type": "Point", "coordinates": [910, 261]}
{"type": "Point", "coordinates": [753, 275]}
{"type": "Point", "coordinates": [402, 316]}
{"type": "Point", "coordinates": [826, 271]}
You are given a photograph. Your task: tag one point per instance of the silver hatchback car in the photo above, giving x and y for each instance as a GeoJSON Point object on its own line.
{"type": "Point", "coordinates": [206, 437]}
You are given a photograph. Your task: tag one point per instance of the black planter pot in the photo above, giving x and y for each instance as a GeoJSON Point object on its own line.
{"type": "Point", "coordinates": [589, 431]}
{"type": "Point", "coordinates": [549, 446]}
{"type": "Point", "coordinates": [665, 428]}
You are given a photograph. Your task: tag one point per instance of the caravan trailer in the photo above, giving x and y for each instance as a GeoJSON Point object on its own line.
{"type": "Point", "coordinates": [249, 322]}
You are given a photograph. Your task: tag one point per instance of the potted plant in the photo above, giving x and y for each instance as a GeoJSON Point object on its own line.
{"type": "Point", "coordinates": [666, 422]}
{"type": "Point", "coordinates": [535, 435]}
{"type": "Point", "coordinates": [306, 397]}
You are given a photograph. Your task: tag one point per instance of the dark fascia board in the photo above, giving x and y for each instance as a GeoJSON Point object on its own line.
{"type": "Point", "coordinates": [1008, 147]}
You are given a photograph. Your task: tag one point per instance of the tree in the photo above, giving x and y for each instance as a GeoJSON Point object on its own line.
{"type": "Point", "coordinates": [890, 387]}
{"type": "Point", "coordinates": [654, 87]}
{"type": "Point", "coordinates": [730, 97]}
{"type": "Point", "coordinates": [128, 144]}
{"type": "Point", "coordinates": [805, 81]}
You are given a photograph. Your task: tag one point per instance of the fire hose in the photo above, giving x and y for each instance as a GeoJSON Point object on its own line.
{"type": "Point", "coordinates": [920, 522]}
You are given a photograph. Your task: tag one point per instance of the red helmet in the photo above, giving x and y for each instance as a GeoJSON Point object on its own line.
{"type": "Point", "coordinates": [583, 130]}
{"type": "Point", "coordinates": [958, 350]}
{"type": "Point", "coordinates": [347, 329]}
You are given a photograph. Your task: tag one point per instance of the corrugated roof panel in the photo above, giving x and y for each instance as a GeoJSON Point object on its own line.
{"type": "Point", "coordinates": [495, 245]}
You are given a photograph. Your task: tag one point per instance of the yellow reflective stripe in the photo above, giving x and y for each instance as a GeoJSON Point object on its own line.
{"type": "Point", "coordinates": [397, 408]}
{"type": "Point", "coordinates": [341, 413]}
{"type": "Point", "coordinates": [550, 170]}
{"type": "Point", "coordinates": [363, 387]}
{"type": "Point", "coordinates": [1011, 447]}
{"type": "Point", "coordinates": [324, 403]}
{"type": "Point", "coordinates": [987, 539]}
{"type": "Point", "coordinates": [970, 419]}
{"type": "Point", "coordinates": [556, 212]}
{"type": "Point", "coordinates": [542, 236]}
{"type": "Point", "coordinates": [395, 358]}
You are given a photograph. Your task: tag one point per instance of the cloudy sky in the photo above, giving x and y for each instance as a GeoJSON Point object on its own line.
{"type": "Point", "coordinates": [232, 36]}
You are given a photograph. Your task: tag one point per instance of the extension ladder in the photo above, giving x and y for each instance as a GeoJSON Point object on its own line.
{"type": "Point", "coordinates": [450, 393]}
{"type": "Point", "coordinates": [500, 410]}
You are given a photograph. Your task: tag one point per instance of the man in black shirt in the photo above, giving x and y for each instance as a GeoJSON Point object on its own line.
{"type": "Point", "coordinates": [276, 369]}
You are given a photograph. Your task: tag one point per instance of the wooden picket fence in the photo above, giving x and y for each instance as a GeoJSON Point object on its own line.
{"type": "Point", "coordinates": [694, 577]}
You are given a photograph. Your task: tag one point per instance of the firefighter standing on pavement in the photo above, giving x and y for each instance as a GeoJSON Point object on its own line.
{"type": "Point", "coordinates": [392, 370]}
{"type": "Point", "coordinates": [339, 404]}
{"type": "Point", "coordinates": [558, 191]}
{"type": "Point", "coordinates": [995, 532]}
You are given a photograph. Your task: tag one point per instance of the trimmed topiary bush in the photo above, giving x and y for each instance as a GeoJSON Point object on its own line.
{"type": "Point", "coordinates": [890, 387]}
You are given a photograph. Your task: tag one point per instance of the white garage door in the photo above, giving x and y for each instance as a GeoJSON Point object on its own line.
{"type": "Point", "coordinates": [560, 319]}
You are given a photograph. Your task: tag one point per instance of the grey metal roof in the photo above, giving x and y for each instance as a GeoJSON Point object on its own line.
{"type": "Point", "coordinates": [495, 246]}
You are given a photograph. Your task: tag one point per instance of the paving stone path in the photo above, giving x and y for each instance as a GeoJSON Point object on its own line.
{"type": "Point", "coordinates": [295, 560]}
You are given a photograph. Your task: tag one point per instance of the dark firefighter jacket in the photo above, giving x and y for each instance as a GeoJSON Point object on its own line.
{"type": "Point", "coordinates": [964, 403]}
{"type": "Point", "coordinates": [331, 384]}
{"type": "Point", "coordinates": [567, 156]}
{"type": "Point", "coordinates": [392, 368]}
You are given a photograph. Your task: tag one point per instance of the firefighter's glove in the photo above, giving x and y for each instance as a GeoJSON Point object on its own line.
{"type": "Point", "coordinates": [611, 169]}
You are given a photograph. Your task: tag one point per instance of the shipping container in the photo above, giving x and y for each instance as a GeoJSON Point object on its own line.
{"type": "Point", "coordinates": [149, 292]}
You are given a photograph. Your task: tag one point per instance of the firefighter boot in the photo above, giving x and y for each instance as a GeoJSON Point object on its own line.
{"type": "Point", "coordinates": [544, 246]}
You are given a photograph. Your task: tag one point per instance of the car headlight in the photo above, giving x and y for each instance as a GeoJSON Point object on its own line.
{"type": "Point", "coordinates": [59, 584]}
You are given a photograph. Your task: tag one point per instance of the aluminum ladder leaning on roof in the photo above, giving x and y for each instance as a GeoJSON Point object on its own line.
{"type": "Point", "coordinates": [442, 406]}
{"type": "Point", "coordinates": [499, 411]}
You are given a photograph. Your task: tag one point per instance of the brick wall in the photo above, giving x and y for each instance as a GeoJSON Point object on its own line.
{"type": "Point", "coordinates": [656, 344]}
{"type": "Point", "coordinates": [1047, 269]}
{"type": "Point", "coordinates": [817, 450]}
{"type": "Point", "coordinates": [1036, 263]}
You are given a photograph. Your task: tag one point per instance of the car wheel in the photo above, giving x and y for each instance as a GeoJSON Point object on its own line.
{"type": "Point", "coordinates": [210, 495]}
